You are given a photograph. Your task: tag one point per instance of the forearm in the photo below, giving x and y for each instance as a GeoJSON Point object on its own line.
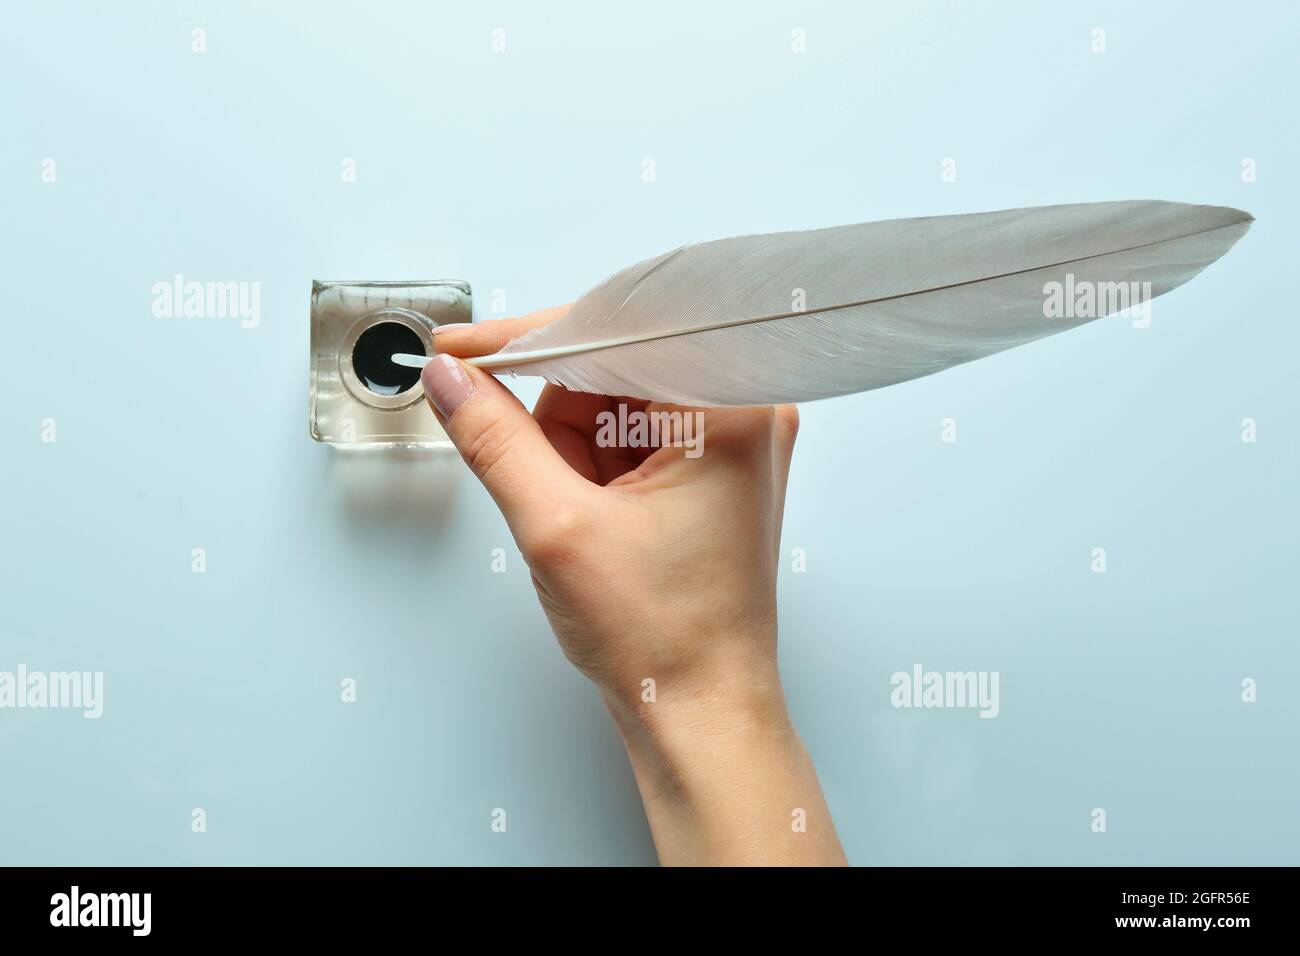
{"type": "Point", "coordinates": [726, 781]}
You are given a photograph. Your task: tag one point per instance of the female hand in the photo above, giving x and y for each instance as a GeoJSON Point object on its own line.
{"type": "Point", "coordinates": [657, 570]}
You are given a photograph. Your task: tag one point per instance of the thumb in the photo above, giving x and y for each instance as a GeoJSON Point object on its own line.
{"type": "Point", "coordinates": [499, 440]}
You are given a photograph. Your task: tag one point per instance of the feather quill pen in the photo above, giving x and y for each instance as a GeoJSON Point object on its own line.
{"type": "Point", "coordinates": [721, 323]}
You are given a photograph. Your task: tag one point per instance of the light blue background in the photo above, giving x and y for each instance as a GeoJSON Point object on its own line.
{"type": "Point", "coordinates": [522, 171]}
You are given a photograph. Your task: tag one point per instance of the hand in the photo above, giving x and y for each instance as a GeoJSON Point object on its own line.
{"type": "Point", "coordinates": [657, 570]}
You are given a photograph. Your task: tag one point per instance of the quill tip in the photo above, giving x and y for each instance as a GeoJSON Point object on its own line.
{"type": "Point", "coordinates": [409, 360]}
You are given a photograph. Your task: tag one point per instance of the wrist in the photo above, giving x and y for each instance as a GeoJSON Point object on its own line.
{"type": "Point", "coordinates": [724, 776]}
{"type": "Point", "coordinates": [715, 701]}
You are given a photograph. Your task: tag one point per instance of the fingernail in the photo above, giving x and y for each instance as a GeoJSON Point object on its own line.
{"type": "Point", "coordinates": [446, 384]}
{"type": "Point", "coordinates": [450, 327]}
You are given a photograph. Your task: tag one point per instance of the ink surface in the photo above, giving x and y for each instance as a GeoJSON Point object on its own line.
{"type": "Point", "coordinates": [372, 358]}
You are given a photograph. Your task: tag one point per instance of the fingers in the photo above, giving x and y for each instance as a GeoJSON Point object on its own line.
{"type": "Point", "coordinates": [568, 421]}
{"type": "Point", "coordinates": [571, 421]}
{"type": "Point", "coordinates": [722, 444]}
{"type": "Point", "coordinates": [484, 338]}
{"type": "Point", "coordinates": [501, 442]}
{"type": "Point", "coordinates": [577, 423]}
{"type": "Point", "coordinates": [785, 430]}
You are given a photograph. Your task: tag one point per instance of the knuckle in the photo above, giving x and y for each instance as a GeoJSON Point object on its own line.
{"type": "Point", "coordinates": [553, 539]}
{"type": "Point", "coordinates": [745, 434]}
{"type": "Point", "coordinates": [787, 420]}
{"type": "Point", "coordinates": [486, 449]}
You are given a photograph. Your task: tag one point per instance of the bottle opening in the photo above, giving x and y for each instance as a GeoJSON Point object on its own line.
{"type": "Point", "coordinates": [372, 358]}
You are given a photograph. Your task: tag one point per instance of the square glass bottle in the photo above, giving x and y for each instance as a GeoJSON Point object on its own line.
{"type": "Point", "coordinates": [359, 397]}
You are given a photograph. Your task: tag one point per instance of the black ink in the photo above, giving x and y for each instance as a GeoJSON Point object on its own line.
{"type": "Point", "coordinates": [372, 358]}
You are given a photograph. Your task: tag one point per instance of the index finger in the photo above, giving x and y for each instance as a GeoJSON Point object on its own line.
{"type": "Point", "coordinates": [464, 340]}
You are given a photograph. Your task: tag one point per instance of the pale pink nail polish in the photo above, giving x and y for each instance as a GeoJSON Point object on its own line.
{"type": "Point", "coordinates": [446, 384]}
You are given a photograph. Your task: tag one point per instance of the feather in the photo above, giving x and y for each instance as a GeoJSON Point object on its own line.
{"type": "Point", "coordinates": [797, 316]}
